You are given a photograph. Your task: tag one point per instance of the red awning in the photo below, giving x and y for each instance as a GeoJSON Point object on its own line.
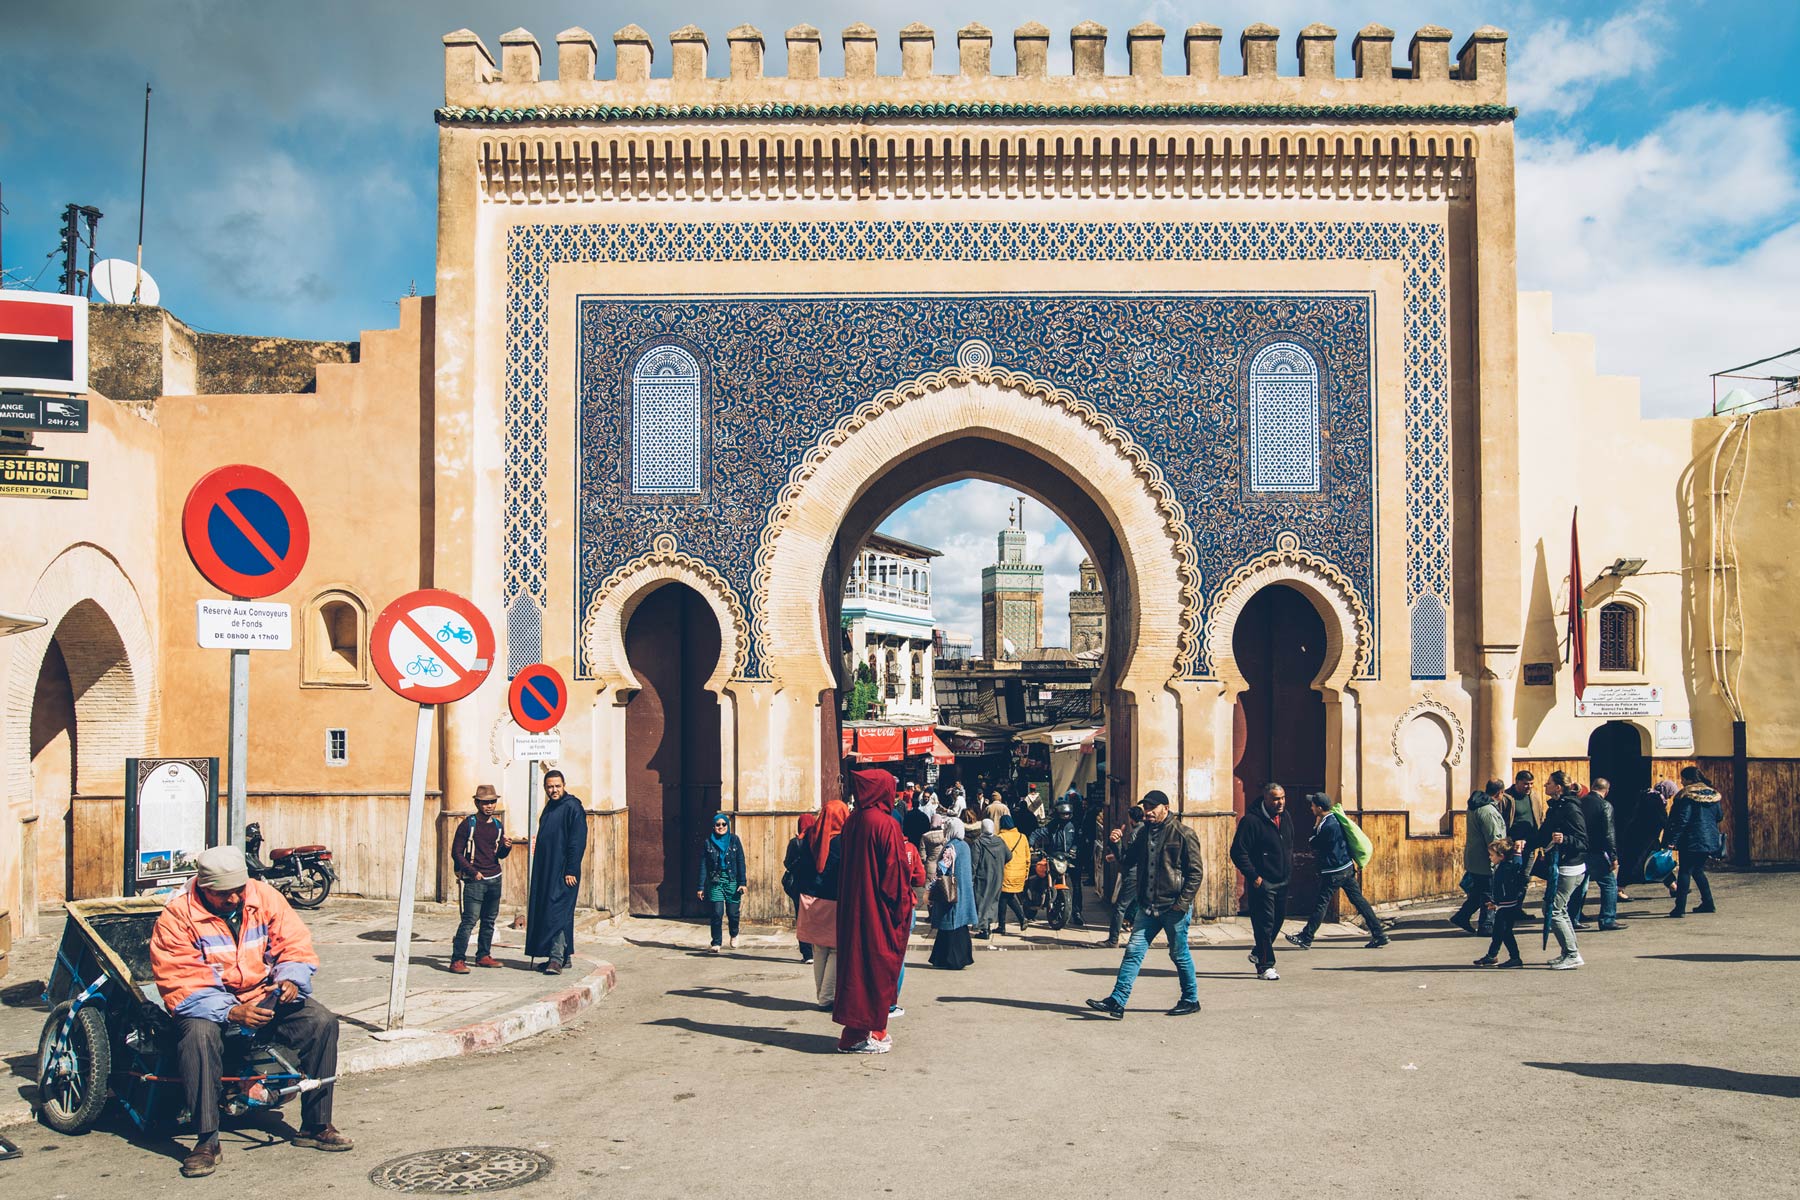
{"type": "Point", "coordinates": [881, 743]}
{"type": "Point", "coordinates": [940, 753]}
{"type": "Point", "coordinates": [919, 740]}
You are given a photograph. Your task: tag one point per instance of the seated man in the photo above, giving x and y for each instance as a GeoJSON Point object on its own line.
{"type": "Point", "coordinates": [229, 951]}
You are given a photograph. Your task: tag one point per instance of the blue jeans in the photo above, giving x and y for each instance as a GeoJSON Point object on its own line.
{"type": "Point", "coordinates": [1561, 888]}
{"type": "Point", "coordinates": [1609, 898]}
{"type": "Point", "coordinates": [1145, 927]}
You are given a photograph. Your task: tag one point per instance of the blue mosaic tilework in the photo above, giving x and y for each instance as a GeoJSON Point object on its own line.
{"type": "Point", "coordinates": [784, 369]}
{"type": "Point", "coordinates": [1419, 247]}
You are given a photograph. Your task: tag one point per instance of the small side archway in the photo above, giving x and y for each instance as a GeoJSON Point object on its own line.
{"type": "Point", "coordinates": [80, 700]}
{"type": "Point", "coordinates": [1348, 649]}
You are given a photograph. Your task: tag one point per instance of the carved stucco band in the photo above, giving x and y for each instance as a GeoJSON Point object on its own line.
{"type": "Point", "coordinates": [1459, 738]}
{"type": "Point", "coordinates": [972, 370]}
{"type": "Point", "coordinates": [603, 629]}
{"type": "Point", "coordinates": [1289, 563]}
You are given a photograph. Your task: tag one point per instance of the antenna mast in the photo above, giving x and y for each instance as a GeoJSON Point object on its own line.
{"type": "Point", "coordinates": [143, 175]}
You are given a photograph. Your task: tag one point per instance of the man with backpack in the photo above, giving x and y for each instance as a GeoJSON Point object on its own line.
{"type": "Point", "coordinates": [1337, 869]}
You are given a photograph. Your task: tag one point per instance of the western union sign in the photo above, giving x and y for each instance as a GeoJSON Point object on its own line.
{"type": "Point", "coordinates": [43, 478]}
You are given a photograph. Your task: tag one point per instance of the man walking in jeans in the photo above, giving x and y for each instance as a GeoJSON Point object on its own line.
{"type": "Point", "coordinates": [1261, 850]}
{"type": "Point", "coordinates": [1166, 858]}
{"type": "Point", "coordinates": [479, 845]}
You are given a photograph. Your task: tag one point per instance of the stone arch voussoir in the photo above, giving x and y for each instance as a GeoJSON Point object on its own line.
{"type": "Point", "coordinates": [973, 398]}
{"type": "Point", "coordinates": [1349, 633]}
{"type": "Point", "coordinates": [87, 599]}
{"type": "Point", "coordinates": [602, 647]}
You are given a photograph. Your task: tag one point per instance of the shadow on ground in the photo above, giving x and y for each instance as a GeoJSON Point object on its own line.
{"type": "Point", "coordinates": [1720, 1079]}
{"type": "Point", "coordinates": [1723, 958]}
{"type": "Point", "coordinates": [762, 1036]}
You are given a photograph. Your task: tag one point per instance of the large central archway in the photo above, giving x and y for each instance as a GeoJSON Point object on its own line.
{"type": "Point", "coordinates": [976, 420]}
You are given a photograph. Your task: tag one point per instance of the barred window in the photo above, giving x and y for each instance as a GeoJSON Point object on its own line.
{"type": "Point", "coordinates": [1284, 420]}
{"type": "Point", "coordinates": [891, 668]}
{"type": "Point", "coordinates": [666, 423]}
{"type": "Point", "coordinates": [1618, 637]}
{"type": "Point", "coordinates": [918, 675]}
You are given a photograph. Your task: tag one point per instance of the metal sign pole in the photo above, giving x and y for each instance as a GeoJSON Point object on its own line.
{"type": "Point", "coordinates": [236, 773]}
{"type": "Point", "coordinates": [409, 868]}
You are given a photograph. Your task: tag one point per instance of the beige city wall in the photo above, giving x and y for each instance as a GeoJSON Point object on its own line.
{"type": "Point", "coordinates": [56, 554]}
{"type": "Point", "coordinates": [1647, 489]}
{"type": "Point", "coordinates": [359, 453]}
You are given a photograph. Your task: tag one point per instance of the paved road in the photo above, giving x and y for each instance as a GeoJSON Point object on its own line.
{"type": "Point", "coordinates": [1669, 1066]}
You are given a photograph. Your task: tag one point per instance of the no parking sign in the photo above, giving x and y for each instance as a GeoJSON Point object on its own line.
{"type": "Point", "coordinates": [245, 531]}
{"type": "Point", "coordinates": [432, 646]}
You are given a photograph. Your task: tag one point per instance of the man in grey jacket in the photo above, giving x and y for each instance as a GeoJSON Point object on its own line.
{"type": "Point", "coordinates": [1165, 857]}
{"type": "Point", "coordinates": [1485, 825]}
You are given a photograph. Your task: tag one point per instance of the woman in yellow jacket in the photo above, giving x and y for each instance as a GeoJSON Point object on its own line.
{"type": "Point", "coordinates": [1018, 866]}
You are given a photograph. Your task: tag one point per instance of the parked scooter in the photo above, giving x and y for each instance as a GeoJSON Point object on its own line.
{"type": "Point", "coordinates": [303, 874]}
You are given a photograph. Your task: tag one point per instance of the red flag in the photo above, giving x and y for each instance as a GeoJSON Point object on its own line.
{"type": "Point", "coordinates": [1577, 617]}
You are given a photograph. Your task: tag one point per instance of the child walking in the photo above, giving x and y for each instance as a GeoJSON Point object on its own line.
{"type": "Point", "coordinates": [1506, 902]}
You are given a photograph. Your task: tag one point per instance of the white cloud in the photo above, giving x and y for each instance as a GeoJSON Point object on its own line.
{"type": "Point", "coordinates": [963, 520]}
{"type": "Point", "coordinates": [1677, 251]}
{"type": "Point", "coordinates": [1558, 68]}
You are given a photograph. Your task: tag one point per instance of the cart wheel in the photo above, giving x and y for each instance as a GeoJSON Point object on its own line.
{"type": "Point", "coordinates": [310, 890]}
{"type": "Point", "coordinates": [73, 1069]}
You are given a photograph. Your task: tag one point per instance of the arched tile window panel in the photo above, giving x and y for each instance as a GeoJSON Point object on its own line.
{"type": "Point", "coordinates": [1284, 435]}
{"type": "Point", "coordinates": [1430, 638]}
{"type": "Point", "coordinates": [668, 427]}
{"type": "Point", "coordinates": [1618, 637]}
{"type": "Point", "coordinates": [524, 635]}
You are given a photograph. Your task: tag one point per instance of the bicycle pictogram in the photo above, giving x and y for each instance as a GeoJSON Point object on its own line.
{"type": "Point", "coordinates": [461, 633]}
{"type": "Point", "coordinates": [425, 665]}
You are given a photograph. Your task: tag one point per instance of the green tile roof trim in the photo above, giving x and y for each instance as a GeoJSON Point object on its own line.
{"type": "Point", "coordinates": [605, 113]}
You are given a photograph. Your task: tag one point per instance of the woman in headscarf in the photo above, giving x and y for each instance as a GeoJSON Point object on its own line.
{"type": "Point", "coordinates": [722, 878]}
{"type": "Point", "coordinates": [874, 912]}
{"type": "Point", "coordinates": [952, 950]}
{"type": "Point", "coordinates": [990, 855]}
{"type": "Point", "coordinates": [819, 897]}
{"type": "Point", "coordinates": [798, 872]}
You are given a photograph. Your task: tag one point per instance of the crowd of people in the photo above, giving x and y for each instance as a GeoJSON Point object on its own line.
{"type": "Point", "coordinates": [863, 877]}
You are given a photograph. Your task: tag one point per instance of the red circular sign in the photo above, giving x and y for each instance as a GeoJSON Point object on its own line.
{"type": "Point", "coordinates": [538, 698]}
{"type": "Point", "coordinates": [432, 647]}
{"type": "Point", "coordinates": [245, 531]}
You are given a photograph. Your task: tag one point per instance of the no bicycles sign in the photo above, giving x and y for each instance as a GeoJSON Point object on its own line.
{"type": "Point", "coordinates": [432, 647]}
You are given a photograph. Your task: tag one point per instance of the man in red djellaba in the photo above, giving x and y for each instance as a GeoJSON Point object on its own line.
{"type": "Point", "coordinates": [874, 916]}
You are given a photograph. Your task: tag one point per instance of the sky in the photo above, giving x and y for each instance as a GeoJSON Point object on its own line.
{"type": "Point", "coordinates": [292, 178]}
{"type": "Point", "coordinates": [964, 521]}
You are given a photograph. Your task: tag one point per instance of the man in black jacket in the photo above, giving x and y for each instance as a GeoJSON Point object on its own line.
{"type": "Point", "coordinates": [1261, 851]}
{"type": "Point", "coordinates": [1602, 859]}
{"type": "Point", "coordinates": [1165, 857]}
{"type": "Point", "coordinates": [1564, 834]}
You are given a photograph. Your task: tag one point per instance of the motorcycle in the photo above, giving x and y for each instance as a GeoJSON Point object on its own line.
{"type": "Point", "coordinates": [1053, 887]}
{"type": "Point", "coordinates": [303, 874]}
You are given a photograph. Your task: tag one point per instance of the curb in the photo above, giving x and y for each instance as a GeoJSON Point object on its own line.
{"type": "Point", "coordinates": [540, 1016]}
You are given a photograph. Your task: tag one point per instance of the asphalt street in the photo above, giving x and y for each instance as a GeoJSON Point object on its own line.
{"type": "Point", "coordinates": [1670, 1065]}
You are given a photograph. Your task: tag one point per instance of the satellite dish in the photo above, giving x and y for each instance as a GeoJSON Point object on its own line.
{"type": "Point", "coordinates": [116, 279]}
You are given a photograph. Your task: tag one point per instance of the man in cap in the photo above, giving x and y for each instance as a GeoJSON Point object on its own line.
{"type": "Point", "coordinates": [229, 952]}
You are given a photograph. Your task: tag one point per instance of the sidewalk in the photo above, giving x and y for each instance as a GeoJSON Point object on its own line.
{"type": "Point", "coordinates": [445, 1014]}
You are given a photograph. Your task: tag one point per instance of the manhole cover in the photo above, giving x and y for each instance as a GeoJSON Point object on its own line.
{"type": "Point", "coordinates": [461, 1170]}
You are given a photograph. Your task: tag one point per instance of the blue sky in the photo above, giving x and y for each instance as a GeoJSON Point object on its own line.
{"type": "Point", "coordinates": [293, 180]}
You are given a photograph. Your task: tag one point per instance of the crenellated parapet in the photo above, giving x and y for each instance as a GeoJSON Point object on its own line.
{"type": "Point", "coordinates": [1429, 84]}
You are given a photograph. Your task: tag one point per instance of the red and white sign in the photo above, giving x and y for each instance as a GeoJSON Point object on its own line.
{"type": "Point", "coordinates": [43, 342]}
{"type": "Point", "coordinates": [538, 697]}
{"type": "Point", "coordinates": [432, 646]}
{"type": "Point", "coordinates": [245, 530]}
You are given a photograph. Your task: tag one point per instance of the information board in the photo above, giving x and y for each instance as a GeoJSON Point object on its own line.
{"type": "Point", "coordinates": [171, 815]}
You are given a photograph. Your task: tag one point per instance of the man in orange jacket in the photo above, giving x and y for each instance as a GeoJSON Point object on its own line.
{"type": "Point", "coordinates": [229, 951]}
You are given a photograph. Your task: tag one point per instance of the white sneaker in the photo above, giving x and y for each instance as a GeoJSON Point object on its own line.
{"type": "Point", "coordinates": [1268, 973]}
{"type": "Point", "coordinates": [716, 950]}
{"type": "Point", "coordinates": [736, 941]}
{"type": "Point", "coordinates": [1567, 962]}
{"type": "Point", "coordinates": [896, 1012]}
{"type": "Point", "coordinates": [870, 1046]}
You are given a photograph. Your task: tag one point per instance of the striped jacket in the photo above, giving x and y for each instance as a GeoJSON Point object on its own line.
{"type": "Point", "coordinates": [202, 970]}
